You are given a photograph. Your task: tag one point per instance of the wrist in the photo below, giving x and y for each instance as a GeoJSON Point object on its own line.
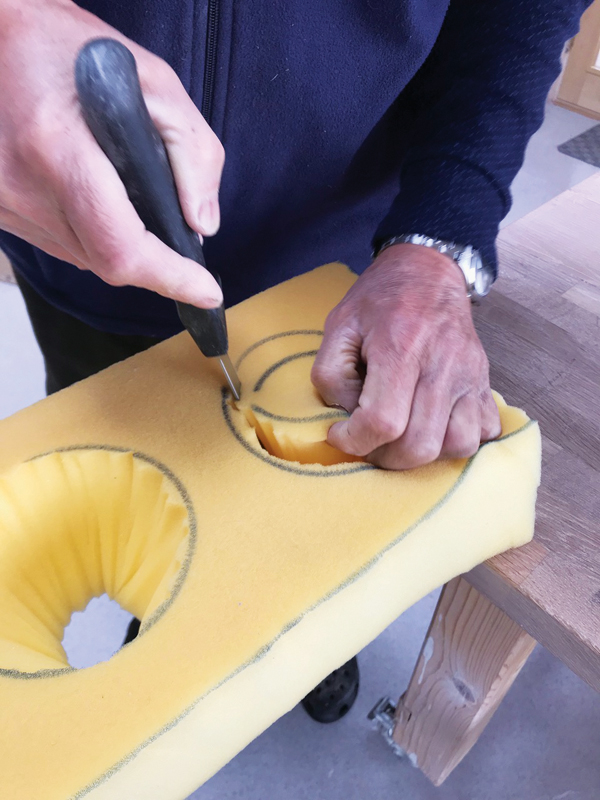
{"type": "Point", "coordinates": [421, 264]}
{"type": "Point", "coordinates": [478, 275]}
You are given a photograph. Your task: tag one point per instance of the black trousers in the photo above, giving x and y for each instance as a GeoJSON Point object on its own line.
{"type": "Point", "coordinates": [73, 350]}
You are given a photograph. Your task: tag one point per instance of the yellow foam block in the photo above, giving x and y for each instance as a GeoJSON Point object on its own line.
{"type": "Point", "coordinates": [254, 576]}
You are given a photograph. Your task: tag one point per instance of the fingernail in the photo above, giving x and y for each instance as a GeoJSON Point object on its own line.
{"type": "Point", "coordinates": [208, 295]}
{"type": "Point", "coordinates": [334, 431]}
{"type": "Point", "coordinates": [208, 303]}
{"type": "Point", "coordinates": [209, 217]}
{"type": "Point", "coordinates": [338, 406]}
{"type": "Point", "coordinates": [215, 300]}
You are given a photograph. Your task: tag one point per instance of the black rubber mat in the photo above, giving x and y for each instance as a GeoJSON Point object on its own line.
{"type": "Point", "coordinates": [585, 147]}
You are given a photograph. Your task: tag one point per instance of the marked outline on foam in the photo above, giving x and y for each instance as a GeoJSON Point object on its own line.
{"type": "Point", "coordinates": [181, 574]}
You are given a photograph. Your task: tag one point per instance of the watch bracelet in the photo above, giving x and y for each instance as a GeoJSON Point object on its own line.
{"type": "Point", "coordinates": [449, 248]}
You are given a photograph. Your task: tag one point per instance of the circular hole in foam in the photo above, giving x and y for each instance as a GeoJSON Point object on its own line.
{"type": "Point", "coordinates": [78, 524]}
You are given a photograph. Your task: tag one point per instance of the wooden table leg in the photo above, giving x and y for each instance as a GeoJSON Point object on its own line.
{"type": "Point", "coordinates": [471, 655]}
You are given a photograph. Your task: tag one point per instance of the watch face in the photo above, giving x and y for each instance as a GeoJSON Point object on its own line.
{"type": "Point", "coordinates": [483, 281]}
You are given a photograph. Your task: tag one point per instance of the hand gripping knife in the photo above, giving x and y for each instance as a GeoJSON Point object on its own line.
{"type": "Point", "coordinates": [113, 107]}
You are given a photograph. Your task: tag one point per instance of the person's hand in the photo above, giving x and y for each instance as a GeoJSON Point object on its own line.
{"type": "Point", "coordinates": [58, 190]}
{"type": "Point", "coordinates": [401, 354]}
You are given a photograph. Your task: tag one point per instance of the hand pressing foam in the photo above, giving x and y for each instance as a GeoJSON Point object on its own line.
{"type": "Point", "coordinates": [280, 403]}
{"type": "Point", "coordinates": [256, 568]}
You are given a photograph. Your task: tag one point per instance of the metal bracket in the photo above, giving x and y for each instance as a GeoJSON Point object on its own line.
{"type": "Point", "coordinates": [382, 715]}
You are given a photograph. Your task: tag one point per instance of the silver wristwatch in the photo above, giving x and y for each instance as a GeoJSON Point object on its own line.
{"type": "Point", "coordinates": [478, 274]}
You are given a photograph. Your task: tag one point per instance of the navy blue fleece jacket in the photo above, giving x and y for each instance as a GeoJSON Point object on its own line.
{"type": "Point", "coordinates": [344, 123]}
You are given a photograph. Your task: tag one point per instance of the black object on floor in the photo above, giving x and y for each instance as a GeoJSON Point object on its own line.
{"type": "Point", "coordinates": [585, 147]}
{"type": "Point", "coordinates": [331, 699]}
{"type": "Point", "coordinates": [132, 631]}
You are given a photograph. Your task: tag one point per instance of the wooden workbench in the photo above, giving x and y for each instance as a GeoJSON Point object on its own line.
{"type": "Point", "coordinates": [541, 330]}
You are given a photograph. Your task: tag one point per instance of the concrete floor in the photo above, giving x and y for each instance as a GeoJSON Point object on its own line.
{"type": "Point", "coordinates": [542, 744]}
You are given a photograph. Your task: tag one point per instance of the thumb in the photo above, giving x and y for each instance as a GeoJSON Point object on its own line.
{"type": "Point", "coordinates": [195, 153]}
{"type": "Point", "coordinates": [337, 373]}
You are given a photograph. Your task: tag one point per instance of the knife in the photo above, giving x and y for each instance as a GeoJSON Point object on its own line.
{"type": "Point", "coordinates": [113, 107]}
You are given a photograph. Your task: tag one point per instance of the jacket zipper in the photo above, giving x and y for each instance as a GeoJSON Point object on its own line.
{"type": "Point", "coordinates": [208, 86]}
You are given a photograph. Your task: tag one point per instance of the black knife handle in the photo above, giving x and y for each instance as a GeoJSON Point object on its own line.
{"type": "Point", "coordinates": [114, 109]}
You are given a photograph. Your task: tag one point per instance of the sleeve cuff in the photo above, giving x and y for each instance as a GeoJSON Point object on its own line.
{"type": "Point", "coordinates": [447, 199]}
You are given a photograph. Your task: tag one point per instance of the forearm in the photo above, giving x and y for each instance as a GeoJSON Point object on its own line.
{"type": "Point", "coordinates": [477, 100]}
